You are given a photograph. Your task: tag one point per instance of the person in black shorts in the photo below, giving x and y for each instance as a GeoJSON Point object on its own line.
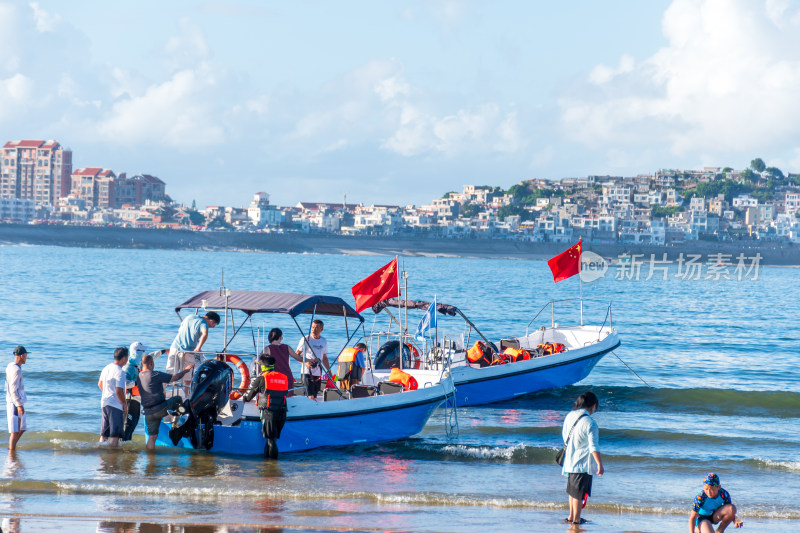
{"type": "Point", "coordinates": [581, 437]}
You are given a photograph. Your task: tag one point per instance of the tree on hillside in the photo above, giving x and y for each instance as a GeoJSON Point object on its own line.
{"type": "Point", "coordinates": [469, 210]}
{"type": "Point", "coordinates": [510, 210]}
{"type": "Point", "coordinates": [757, 164]}
{"type": "Point", "coordinates": [726, 170]}
{"type": "Point", "coordinates": [775, 173]}
{"type": "Point", "coordinates": [446, 195]}
{"type": "Point", "coordinates": [749, 176]}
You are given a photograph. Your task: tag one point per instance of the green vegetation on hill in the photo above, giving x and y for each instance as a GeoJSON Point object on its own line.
{"type": "Point", "coordinates": [662, 212]}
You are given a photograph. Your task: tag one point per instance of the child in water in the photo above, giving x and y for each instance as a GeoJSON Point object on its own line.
{"type": "Point", "coordinates": [712, 505]}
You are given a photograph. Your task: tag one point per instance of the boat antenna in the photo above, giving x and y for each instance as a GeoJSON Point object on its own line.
{"type": "Point", "coordinates": [226, 294]}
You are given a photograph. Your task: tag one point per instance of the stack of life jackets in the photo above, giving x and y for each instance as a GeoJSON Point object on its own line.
{"type": "Point", "coordinates": [480, 354]}
{"type": "Point", "coordinates": [512, 355]}
{"type": "Point", "coordinates": [408, 381]}
{"type": "Point", "coordinates": [551, 348]}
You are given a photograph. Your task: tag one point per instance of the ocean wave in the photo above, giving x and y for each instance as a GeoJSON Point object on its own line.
{"type": "Point", "coordinates": [768, 464]}
{"type": "Point", "coordinates": [425, 498]}
{"type": "Point", "coordinates": [716, 402]}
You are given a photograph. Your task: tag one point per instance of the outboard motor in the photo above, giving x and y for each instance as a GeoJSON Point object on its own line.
{"type": "Point", "coordinates": [211, 387]}
{"type": "Point", "coordinates": [388, 356]}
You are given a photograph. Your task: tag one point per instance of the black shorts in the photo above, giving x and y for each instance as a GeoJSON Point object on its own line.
{"type": "Point", "coordinates": [313, 384]}
{"type": "Point", "coordinates": [112, 425]}
{"type": "Point", "coordinates": [701, 517]}
{"type": "Point", "coordinates": [579, 485]}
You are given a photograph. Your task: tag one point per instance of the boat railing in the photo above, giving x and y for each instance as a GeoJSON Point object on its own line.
{"type": "Point", "coordinates": [552, 305]}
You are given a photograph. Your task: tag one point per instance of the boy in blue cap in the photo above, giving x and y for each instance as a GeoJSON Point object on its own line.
{"type": "Point", "coordinates": [713, 504]}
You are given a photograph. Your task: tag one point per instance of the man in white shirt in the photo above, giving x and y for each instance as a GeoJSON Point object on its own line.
{"type": "Point", "coordinates": [112, 403]}
{"type": "Point", "coordinates": [313, 349]}
{"type": "Point", "coordinates": [16, 397]}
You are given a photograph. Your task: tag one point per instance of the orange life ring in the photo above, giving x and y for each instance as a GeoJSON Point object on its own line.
{"type": "Point", "coordinates": [414, 354]}
{"type": "Point", "coordinates": [243, 372]}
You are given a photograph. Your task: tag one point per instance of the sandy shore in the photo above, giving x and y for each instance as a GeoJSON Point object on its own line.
{"type": "Point", "coordinates": [535, 520]}
{"type": "Point", "coordinates": [409, 246]}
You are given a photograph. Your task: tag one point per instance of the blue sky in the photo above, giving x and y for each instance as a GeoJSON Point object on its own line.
{"type": "Point", "coordinates": [400, 101]}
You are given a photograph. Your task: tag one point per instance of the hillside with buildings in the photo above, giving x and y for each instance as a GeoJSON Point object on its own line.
{"type": "Point", "coordinates": [758, 204]}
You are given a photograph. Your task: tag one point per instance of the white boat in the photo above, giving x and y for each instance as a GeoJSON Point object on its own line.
{"type": "Point", "coordinates": [583, 347]}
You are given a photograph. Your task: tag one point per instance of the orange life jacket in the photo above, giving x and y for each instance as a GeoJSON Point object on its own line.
{"type": "Point", "coordinates": [480, 354]}
{"type": "Point", "coordinates": [275, 384]}
{"type": "Point", "coordinates": [517, 355]}
{"type": "Point", "coordinates": [552, 347]}
{"type": "Point", "coordinates": [349, 355]}
{"type": "Point", "coordinates": [408, 381]}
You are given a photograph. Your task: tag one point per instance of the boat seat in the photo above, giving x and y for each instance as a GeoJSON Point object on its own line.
{"type": "Point", "coordinates": [388, 387]}
{"type": "Point", "coordinates": [509, 343]}
{"type": "Point", "coordinates": [331, 395]}
{"type": "Point", "coordinates": [362, 391]}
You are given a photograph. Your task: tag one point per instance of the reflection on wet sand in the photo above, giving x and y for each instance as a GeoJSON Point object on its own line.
{"type": "Point", "coordinates": [107, 526]}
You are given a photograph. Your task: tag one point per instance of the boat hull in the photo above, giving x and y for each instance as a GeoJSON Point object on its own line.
{"type": "Point", "coordinates": [311, 424]}
{"type": "Point", "coordinates": [477, 386]}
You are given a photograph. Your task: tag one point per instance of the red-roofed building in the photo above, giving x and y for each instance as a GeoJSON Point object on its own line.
{"type": "Point", "coordinates": [35, 170]}
{"type": "Point", "coordinates": [95, 186]}
{"type": "Point", "coordinates": [101, 188]}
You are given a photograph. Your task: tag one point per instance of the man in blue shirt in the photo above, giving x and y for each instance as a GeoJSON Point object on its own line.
{"type": "Point", "coordinates": [191, 336]}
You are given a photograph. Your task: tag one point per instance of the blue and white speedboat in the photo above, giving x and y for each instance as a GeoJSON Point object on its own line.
{"type": "Point", "coordinates": [336, 418]}
{"type": "Point", "coordinates": [555, 356]}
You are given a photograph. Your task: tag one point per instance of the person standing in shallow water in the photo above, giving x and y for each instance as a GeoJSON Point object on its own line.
{"type": "Point", "coordinates": [16, 397]}
{"type": "Point", "coordinates": [583, 435]}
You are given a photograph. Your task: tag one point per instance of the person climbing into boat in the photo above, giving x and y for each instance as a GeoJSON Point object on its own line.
{"type": "Point", "coordinates": [313, 349]}
{"type": "Point", "coordinates": [272, 388]}
{"type": "Point", "coordinates": [351, 365]}
{"type": "Point", "coordinates": [155, 404]}
{"type": "Point", "coordinates": [112, 401]}
{"type": "Point", "coordinates": [712, 505]}
{"type": "Point", "coordinates": [192, 335]}
{"type": "Point", "coordinates": [132, 399]}
{"type": "Point", "coordinates": [581, 435]}
{"type": "Point", "coordinates": [281, 352]}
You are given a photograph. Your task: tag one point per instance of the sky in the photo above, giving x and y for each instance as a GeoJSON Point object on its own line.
{"type": "Point", "coordinates": [400, 101]}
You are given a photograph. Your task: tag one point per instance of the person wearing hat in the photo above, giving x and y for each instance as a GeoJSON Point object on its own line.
{"type": "Point", "coordinates": [132, 398]}
{"type": "Point", "coordinates": [16, 397]}
{"type": "Point", "coordinates": [712, 505]}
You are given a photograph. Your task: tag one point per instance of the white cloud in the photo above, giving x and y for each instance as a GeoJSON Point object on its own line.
{"type": "Point", "coordinates": [45, 22]}
{"type": "Point", "coordinates": [726, 81]}
{"type": "Point", "coordinates": [603, 74]}
{"type": "Point", "coordinates": [188, 47]}
{"type": "Point", "coordinates": [15, 95]}
{"type": "Point", "coordinates": [177, 113]}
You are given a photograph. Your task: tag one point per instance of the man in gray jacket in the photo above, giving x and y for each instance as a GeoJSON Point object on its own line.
{"type": "Point", "coordinates": [16, 397]}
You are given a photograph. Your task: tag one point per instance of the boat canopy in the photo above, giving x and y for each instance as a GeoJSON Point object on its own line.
{"type": "Point", "coordinates": [444, 309]}
{"type": "Point", "coordinates": [252, 302]}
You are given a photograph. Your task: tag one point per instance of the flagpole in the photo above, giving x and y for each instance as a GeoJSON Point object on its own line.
{"type": "Point", "coordinates": [580, 277]}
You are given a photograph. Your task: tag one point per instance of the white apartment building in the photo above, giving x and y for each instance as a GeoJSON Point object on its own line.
{"type": "Point", "coordinates": [17, 210]}
{"type": "Point", "coordinates": [743, 201]}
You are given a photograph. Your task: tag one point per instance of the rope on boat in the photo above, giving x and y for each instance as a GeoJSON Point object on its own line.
{"type": "Point", "coordinates": [450, 410]}
{"type": "Point", "coordinates": [629, 368]}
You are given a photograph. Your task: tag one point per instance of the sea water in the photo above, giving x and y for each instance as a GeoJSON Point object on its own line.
{"type": "Point", "coordinates": [717, 390]}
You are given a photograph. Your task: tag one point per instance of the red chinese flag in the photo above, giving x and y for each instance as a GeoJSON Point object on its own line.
{"type": "Point", "coordinates": [377, 287]}
{"type": "Point", "coordinates": [567, 264]}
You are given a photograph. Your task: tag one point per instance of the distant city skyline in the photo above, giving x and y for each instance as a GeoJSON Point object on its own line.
{"type": "Point", "coordinates": [398, 102]}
